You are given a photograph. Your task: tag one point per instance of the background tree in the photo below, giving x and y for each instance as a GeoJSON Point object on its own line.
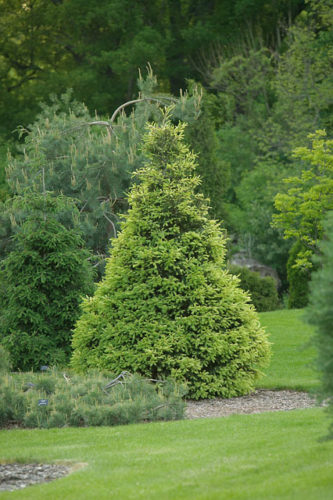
{"type": "Point", "coordinates": [96, 47]}
{"type": "Point", "coordinates": [4, 190]}
{"type": "Point", "coordinates": [92, 159]}
{"type": "Point", "coordinates": [245, 99]}
{"type": "Point", "coordinates": [303, 81]}
{"type": "Point", "coordinates": [166, 307]}
{"type": "Point", "coordinates": [308, 198]}
{"type": "Point", "coordinates": [268, 98]}
{"type": "Point", "coordinates": [250, 217]}
{"type": "Point", "coordinates": [320, 314]}
{"type": "Point", "coordinates": [298, 279]}
{"type": "Point", "coordinates": [214, 171]}
{"type": "Point", "coordinates": [42, 281]}
{"type": "Point", "coordinates": [266, 70]}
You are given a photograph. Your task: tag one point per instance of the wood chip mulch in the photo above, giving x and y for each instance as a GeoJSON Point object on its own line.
{"type": "Point", "coordinates": [260, 401]}
{"type": "Point", "coordinates": [18, 476]}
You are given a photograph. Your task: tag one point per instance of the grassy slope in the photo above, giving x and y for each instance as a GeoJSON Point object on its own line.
{"type": "Point", "coordinates": [293, 356]}
{"type": "Point", "coordinates": [268, 456]}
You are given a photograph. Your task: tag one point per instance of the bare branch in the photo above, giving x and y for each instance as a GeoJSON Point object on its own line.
{"type": "Point", "coordinates": [108, 124]}
{"type": "Point", "coordinates": [135, 101]}
{"type": "Point", "coordinates": [84, 206]}
{"type": "Point", "coordinates": [112, 224]}
{"type": "Point", "coordinates": [100, 122]}
{"type": "Point", "coordinates": [118, 380]}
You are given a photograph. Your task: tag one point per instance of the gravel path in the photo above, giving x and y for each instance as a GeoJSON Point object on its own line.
{"type": "Point", "coordinates": [18, 476]}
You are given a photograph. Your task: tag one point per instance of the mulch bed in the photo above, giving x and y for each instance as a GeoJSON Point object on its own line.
{"type": "Point", "coordinates": [258, 402]}
{"type": "Point", "coordinates": [18, 476]}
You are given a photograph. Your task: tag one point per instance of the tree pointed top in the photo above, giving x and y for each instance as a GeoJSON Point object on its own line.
{"type": "Point", "coordinates": [164, 140]}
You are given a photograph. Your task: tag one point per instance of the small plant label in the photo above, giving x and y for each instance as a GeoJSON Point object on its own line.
{"type": "Point", "coordinates": [43, 402]}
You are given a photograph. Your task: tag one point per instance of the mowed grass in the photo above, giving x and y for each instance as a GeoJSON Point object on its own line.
{"type": "Point", "coordinates": [276, 455]}
{"type": "Point", "coordinates": [293, 355]}
{"type": "Point", "coordinates": [267, 456]}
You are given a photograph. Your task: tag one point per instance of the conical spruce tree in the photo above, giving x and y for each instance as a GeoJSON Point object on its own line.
{"type": "Point", "coordinates": [166, 306]}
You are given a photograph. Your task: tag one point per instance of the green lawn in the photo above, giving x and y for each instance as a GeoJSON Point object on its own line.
{"type": "Point", "coordinates": [293, 356]}
{"type": "Point", "coordinates": [269, 456]}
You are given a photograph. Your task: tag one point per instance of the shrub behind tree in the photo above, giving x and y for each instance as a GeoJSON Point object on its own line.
{"type": "Point", "coordinates": [166, 307]}
{"type": "Point", "coordinates": [262, 290]}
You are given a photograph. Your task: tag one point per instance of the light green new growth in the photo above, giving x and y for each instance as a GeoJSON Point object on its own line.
{"type": "Point", "coordinates": [167, 307]}
{"type": "Point", "coordinates": [309, 198]}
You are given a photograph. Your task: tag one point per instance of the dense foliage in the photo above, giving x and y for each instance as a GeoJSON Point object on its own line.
{"type": "Point", "coordinates": [78, 155]}
{"type": "Point", "coordinates": [259, 78]}
{"type": "Point", "coordinates": [69, 400]}
{"type": "Point", "coordinates": [214, 171]}
{"type": "Point", "coordinates": [262, 290]}
{"type": "Point", "coordinates": [309, 197]}
{"type": "Point", "coordinates": [166, 307]}
{"type": "Point", "coordinates": [266, 103]}
{"type": "Point", "coordinates": [320, 314]}
{"type": "Point", "coordinates": [42, 283]}
{"type": "Point", "coordinates": [4, 360]}
{"type": "Point", "coordinates": [298, 279]}
{"type": "Point", "coordinates": [96, 47]}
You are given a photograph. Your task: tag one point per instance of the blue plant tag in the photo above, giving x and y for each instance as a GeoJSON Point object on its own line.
{"type": "Point", "coordinates": [43, 402]}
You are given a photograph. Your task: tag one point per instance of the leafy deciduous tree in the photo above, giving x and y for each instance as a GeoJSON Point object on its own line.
{"type": "Point", "coordinates": [269, 101]}
{"type": "Point", "coordinates": [96, 47]}
{"type": "Point", "coordinates": [308, 198]}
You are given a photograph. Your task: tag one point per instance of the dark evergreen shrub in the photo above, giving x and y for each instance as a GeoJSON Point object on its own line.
{"type": "Point", "coordinates": [43, 280]}
{"type": "Point", "coordinates": [4, 360]}
{"type": "Point", "coordinates": [214, 172]}
{"type": "Point", "coordinates": [298, 279]}
{"type": "Point", "coordinates": [84, 401]}
{"type": "Point", "coordinates": [166, 307]}
{"type": "Point", "coordinates": [320, 314]}
{"type": "Point", "coordinates": [263, 291]}
{"type": "Point", "coordinates": [12, 407]}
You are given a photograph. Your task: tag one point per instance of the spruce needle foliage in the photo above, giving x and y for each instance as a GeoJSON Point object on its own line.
{"type": "Point", "coordinates": [166, 306]}
{"type": "Point", "coordinates": [42, 281]}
